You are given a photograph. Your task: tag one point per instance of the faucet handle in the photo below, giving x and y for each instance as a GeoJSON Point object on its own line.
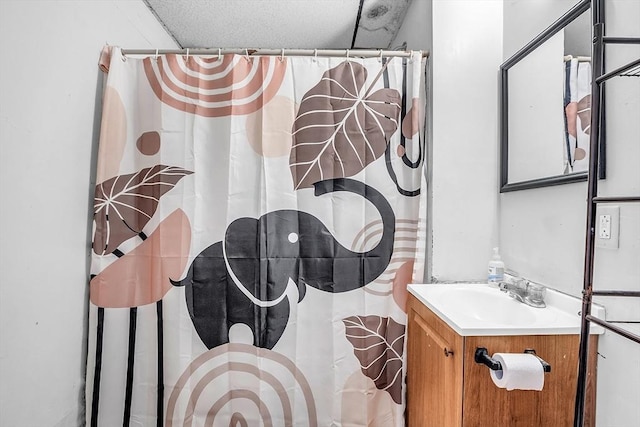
{"type": "Point", "coordinates": [536, 292]}
{"type": "Point", "coordinates": [521, 283]}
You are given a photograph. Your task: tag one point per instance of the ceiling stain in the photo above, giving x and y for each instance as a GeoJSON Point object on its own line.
{"type": "Point", "coordinates": [377, 11]}
{"type": "Point", "coordinates": [381, 20]}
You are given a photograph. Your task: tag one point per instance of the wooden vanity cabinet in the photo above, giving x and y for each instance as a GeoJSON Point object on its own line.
{"type": "Point", "coordinates": [434, 369]}
{"type": "Point", "coordinates": [446, 387]}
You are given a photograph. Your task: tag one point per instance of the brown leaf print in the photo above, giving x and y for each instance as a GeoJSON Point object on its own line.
{"type": "Point", "coordinates": [123, 205]}
{"type": "Point", "coordinates": [584, 113]}
{"type": "Point", "coordinates": [378, 344]}
{"type": "Point", "coordinates": [341, 128]}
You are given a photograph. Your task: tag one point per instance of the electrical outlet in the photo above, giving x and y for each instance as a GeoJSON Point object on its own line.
{"type": "Point", "coordinates": [608, 224]}
{"type": "Point", "coordinates": [604, 228]}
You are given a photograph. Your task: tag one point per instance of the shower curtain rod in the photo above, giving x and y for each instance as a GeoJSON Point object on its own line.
{"type": "Point", "coordinates": [361, 53]}
{"type": "Point", "coordinates": [579, 58]}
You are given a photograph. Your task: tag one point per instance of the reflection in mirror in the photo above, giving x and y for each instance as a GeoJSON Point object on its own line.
{"type": "Point", "coordinates": [536, 121]}
{"type": "Point", "coordinates": [546, 106]}
{"type": "Point", "coordinates": [577, 94]}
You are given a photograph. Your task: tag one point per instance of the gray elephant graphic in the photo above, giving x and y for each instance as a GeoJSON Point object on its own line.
{"type": "Point", "coordinates": [243, 278]}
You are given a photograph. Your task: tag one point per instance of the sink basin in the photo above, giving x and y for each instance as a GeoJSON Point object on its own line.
{"type": "Point", "coordinates": [477, 309]}
{"type": "Point", "coordinates": [487, 304]}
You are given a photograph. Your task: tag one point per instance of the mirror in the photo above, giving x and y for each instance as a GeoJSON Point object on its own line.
{"type": "Point", "coordinates": [546, 106]}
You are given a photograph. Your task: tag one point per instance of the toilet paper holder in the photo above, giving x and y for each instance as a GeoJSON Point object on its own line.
{"type": "Point", "coordinates": [482, 357]}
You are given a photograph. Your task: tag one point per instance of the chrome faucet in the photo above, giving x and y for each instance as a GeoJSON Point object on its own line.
{"type": "Point", "coordinates": [525, 292]}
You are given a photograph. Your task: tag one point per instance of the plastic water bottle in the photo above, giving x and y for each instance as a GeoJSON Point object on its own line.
{"type": "Point", "coordinates": [496, 269]}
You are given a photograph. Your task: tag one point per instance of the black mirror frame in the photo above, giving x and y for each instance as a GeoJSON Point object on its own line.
{"type": "Point", "coordinates": [563, 21]}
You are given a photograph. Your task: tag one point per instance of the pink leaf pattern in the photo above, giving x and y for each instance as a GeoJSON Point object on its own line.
{"type": "Point", "coordinates": [143, 275]}
{"type": "Point", "coordinates": [123, 205]}
{"type": "Point", "coordinates": [341, 128]}
{"type": "Point", "coordinates": [378, 344]}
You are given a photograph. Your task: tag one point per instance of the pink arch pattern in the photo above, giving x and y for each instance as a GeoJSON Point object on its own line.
{"type": "Point", "coordinates": [215, 87]}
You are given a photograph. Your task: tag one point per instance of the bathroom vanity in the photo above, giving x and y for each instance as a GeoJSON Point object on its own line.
{"type": "Point", "coordinates": [445, 385]}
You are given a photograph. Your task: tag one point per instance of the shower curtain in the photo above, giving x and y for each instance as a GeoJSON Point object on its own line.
{"type": "Point", "coordinates": [256, 222]}
{"type": "Point", "coordinates": [577, 115]}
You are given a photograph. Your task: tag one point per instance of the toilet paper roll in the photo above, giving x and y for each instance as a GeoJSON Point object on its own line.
{"type": "Point", "coordinates": [520, 371]}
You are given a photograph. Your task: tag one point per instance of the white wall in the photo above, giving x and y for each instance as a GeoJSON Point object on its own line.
{"type": "Point", "coordinates": [49, 118]}
{"type": "Point", "coordinates": [467, 51]}
{"type": "Point", "coordinates": [464, 39]}
{"type": "Point", "coordinates": [542, 231]}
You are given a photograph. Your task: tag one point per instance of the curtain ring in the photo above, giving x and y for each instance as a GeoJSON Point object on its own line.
{"type": "Point", "coordinates": [347, 54]}
{"type": "Point", "coordinates": [156, 58]}
{"type": "Point", "coordinates": [315, 55]}
{"type": "Point", "coordinates": [246, 55]}
{"type": "Point", "coordinates": [219, 52]}
{"type": "Point", "coordinates": [380, 55]}
{"type": "Point", "coordinates": [282, 55]}
{"type": "Point", "coordinates": [187, 60]}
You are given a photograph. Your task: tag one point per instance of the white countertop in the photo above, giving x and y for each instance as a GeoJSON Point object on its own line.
{"type": "Point", "coordinates": [477, 309]}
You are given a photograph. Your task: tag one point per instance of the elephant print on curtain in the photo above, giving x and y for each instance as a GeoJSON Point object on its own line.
{"type": "Point", "coordinates": [256, 223]}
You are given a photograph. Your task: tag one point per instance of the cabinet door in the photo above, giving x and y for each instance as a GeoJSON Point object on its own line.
{"type": "Point", "coordinates": [434, 395]}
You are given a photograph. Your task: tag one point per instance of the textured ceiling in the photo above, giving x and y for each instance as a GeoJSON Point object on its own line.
{"type": "Point", "coordinates": [274, 24]}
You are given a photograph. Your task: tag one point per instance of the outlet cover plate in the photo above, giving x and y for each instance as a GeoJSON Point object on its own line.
{"type": "Point", "coordinates": [608, 227]}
